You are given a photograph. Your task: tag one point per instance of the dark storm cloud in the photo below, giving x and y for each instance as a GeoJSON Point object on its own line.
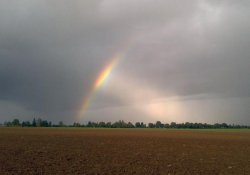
{"type": "Point", "coordinates": [52, 51]}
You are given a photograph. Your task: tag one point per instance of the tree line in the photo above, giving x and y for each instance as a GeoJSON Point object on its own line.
{"type": "Point", "coordinates": [122, 124]}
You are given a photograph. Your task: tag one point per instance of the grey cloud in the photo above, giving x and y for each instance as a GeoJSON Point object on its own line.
{"type": "Point", "coordinates": [210, 59]}
{"type": "Point", "coordinates": [52, 51]}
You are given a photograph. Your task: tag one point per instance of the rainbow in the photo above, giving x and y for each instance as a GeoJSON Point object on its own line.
{"type": "Point", "coordinates": [105, 73]}
{"type": "Point", "coordinates": [100, 80]}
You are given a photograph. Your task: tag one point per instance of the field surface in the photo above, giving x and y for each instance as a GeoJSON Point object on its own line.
{"type": "Point", "coordinates": [123, 151]}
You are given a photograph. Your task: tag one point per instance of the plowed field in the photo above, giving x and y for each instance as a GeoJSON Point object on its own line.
{"type": "Point", "coordinates": [123, 151]}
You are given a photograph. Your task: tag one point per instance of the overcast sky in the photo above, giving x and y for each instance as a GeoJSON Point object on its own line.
{"type": "Point", "coordinates": [183, 61]}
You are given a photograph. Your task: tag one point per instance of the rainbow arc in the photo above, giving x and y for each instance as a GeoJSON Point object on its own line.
{"type": "Point", "coordinates": [100, 80]}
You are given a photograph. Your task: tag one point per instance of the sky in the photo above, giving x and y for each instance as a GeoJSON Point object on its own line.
{"type": "Point", "coordinates": [110, 60]}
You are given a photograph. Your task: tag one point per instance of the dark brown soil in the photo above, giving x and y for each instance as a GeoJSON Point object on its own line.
{"type": "Point", "coordinates": [123, 151]}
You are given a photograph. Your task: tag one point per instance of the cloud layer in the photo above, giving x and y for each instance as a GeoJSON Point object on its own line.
{"type": "Point", "coordinates": [183, 61]}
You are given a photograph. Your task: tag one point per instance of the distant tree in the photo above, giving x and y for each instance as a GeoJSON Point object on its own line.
{"type": "Point", "coordinates": [26, 124]}
{"type": "Point", "coordinates": [137, 124]}
{"type": "Point", "coordinates": [180, 125]}
{"type": "Point", "coordinates": [89, 124]}
{"type": "Point", "coordinates": [216, 125]}
{"type": "Point", "coordinates": [15, 122]}
{"type": "Point", "coordinates": [224, 125]}
{"type": "Point", "coordinates": [92, 124]}
{"type": "Point", "coordinates": [143, 125]}
{"type": "Point", "coordinates": [75, 124]}
{"type": "Point", "coordinates": [123, 124]}
{"type": "Point", "coordinates": [102, 124]}
{"type": "Point", "coordinates": [130, 125]}
{"type": "Point", "coordinates": [34, 122]}
{"type": "Point", "coordinates": [187, 125]}
{"type": "Point", "coordinates": [44, 123]}
{"type": "Point", "coordinates": [115, 125]}
{"type": "Point", "coordinates": [166, 125]}
{"type": "Point", "coordinates": [158, 124]}
{"type": "Point", "coordinates": [173, 125]}
{"type": "Point", "coordinates": [151, 125]}
{"type": "Point", "coordinates": [108, 125]}
{"type": "Point", "coordinates": [119, 124]}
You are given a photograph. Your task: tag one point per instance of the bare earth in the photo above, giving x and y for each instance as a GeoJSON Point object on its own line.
{"type": "Point", "coordinates": [123, 151]}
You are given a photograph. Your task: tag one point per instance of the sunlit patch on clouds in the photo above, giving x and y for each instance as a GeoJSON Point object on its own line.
{"type": "Point", "coordinates": [138, 96]}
